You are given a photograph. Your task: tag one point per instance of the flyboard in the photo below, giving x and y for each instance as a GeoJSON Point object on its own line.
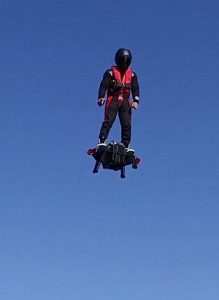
{"type": "Point", "coordinates": [113, 156]}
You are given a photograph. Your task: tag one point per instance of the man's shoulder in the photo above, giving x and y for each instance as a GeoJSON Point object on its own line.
{"type": "Point", "coordinates": [108, 72]}
{"type": "Point", "coordinates": [133, 73]}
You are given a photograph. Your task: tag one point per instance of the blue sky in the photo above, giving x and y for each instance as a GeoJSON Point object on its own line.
{"type": "Point", "coordinates": [67, 233]}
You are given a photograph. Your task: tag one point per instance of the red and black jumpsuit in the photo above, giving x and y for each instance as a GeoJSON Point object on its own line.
{"type": "Point", "coordinates": [118, 86]}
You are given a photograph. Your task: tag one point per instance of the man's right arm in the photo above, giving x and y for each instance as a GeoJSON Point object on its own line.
{"type": "Point", "coordinates": [104, 85]}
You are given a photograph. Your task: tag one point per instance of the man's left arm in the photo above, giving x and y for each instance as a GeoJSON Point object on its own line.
{"type": "Point", "coordinates": [135, 91]}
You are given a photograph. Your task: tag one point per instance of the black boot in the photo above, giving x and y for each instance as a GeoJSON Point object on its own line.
{"type": "Point", "coordinates": [101, 142]}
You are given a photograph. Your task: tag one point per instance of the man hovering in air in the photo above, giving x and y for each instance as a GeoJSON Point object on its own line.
{"type": "Point", "coordinates": [119, 82]}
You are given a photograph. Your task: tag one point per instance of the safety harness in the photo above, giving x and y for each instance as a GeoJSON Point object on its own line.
{"type": "Point", "coordinates": [121, 83]}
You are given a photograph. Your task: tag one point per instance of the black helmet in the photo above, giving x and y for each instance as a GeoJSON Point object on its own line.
{"type": "Point", "coordinates": [123, 58]}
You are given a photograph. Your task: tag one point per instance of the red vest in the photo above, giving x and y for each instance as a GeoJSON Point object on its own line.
{"type": "Point", "coordinates": [122, 84]}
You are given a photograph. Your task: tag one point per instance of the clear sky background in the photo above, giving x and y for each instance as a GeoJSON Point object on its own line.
{"type": "Point", "coordinates": [66, 233]}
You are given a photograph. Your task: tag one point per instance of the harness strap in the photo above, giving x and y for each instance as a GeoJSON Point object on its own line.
{"type": "Point", "coordinates": [123, 82]}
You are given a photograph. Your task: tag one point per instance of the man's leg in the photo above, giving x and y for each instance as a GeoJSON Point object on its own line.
{"type": "Point", "coordinates": [111, 110]}
{"type": "Point", "coordinates": [125, 121]}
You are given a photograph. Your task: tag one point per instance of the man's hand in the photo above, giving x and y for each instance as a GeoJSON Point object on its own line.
{"type": "Point", "coordinates": [135, 105]}
{"type": "Point", "coordinates": [100, 101]}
